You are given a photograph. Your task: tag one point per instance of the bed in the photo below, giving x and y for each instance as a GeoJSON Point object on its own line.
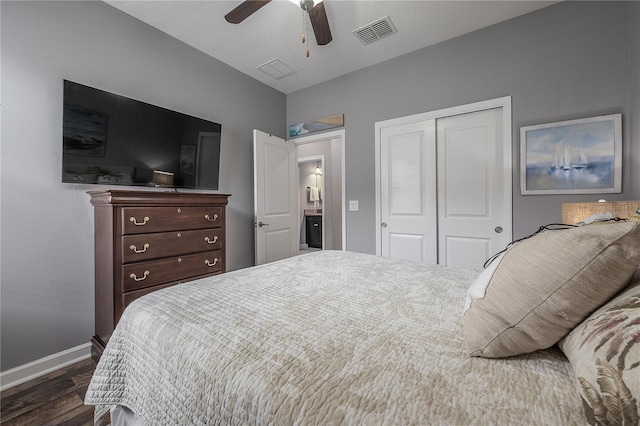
{"type": "Point", "coordinates": [327, 338]}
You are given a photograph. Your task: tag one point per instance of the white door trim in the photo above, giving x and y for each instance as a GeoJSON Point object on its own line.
{"type": "Point", "coordinates": [314, 158]}
{"type": "Point", "coordinates": [335, 134]}
{"type": "Point", "coordinates": [504, 103]}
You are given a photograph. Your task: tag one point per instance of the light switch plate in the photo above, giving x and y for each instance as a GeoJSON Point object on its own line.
{"type": "Point", "coordinates": [353, 205]}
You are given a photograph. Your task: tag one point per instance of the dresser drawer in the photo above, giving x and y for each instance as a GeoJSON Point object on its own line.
{"type": "Point", "coordinates": [130, 296]}
{"type": "Point", "coordinates": [142, 220]}
{"type": "Point", "coordinates": [146, 274]}
{"type": "Point", "coordinates": [139, 247]}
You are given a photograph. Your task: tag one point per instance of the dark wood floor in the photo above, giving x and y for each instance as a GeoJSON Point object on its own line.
{"type": "Point", "coordinates": [54, 399]}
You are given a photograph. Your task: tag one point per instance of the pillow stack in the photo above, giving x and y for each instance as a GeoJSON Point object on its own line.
{"type": "Point", "coordinates": [544, 286]}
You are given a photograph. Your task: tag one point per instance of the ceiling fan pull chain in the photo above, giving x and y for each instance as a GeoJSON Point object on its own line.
{"type": "Point", "coordinates": [303, 36]}
{"type": "Point", "coordinates": [306, 24]}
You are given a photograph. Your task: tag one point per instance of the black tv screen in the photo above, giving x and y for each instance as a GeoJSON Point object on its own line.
{"type": "Point", "coordinates": [109, 139]}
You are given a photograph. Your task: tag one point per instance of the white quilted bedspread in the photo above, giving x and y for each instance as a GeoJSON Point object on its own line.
{"type": "Point", "coordinates": [330, 338]}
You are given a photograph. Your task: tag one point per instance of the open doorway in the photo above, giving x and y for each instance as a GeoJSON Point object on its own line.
{"type": "Point", "coordinates": [321, 191]}
{"type": "Point", "coordinates": [311, 198]}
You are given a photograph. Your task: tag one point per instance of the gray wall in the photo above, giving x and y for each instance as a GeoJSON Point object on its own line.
{"type": "Point", "coordinates": [570, 60]}
{"type": "Point", "coordinates": [47, 227]}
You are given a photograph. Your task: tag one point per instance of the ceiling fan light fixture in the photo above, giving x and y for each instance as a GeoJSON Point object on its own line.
{"type": "Point", "coordinates": [302, 3]}
{"type": "Point", "coordinates": [315, 11]}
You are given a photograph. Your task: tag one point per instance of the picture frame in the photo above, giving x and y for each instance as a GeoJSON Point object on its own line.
{"type": "Point", "coordinates": [318, 125]}
{"type": "Point", "coordinates": [581, 156]}
{"type": "Point", "coordinates": [188, 159]}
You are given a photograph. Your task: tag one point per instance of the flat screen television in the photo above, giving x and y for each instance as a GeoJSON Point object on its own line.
{"type": "Point", "coordinates": [109, 139]}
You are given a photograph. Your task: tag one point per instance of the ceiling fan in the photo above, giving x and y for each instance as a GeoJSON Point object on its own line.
{"type": "Point", "coordinates": [315, 9]}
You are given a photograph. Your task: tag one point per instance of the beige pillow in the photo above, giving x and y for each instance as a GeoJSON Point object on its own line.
{"type": "Point", "coordinates": [604, 351]}
{"type": "Point", "coordinates": [546, 285]}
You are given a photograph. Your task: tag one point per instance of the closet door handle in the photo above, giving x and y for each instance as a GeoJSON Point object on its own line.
{"type": "Point", "coordinates": [261, 224]}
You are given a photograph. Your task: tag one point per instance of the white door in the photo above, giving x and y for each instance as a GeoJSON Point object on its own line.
{"type": "Point", "coordinates": [443, 184]}
{"type": "Point", "coordinates": [473, 214]}
{"type": "Point", "coordinates": [408, 184]}
{"type": "Point", "coordinates": [275, 198]}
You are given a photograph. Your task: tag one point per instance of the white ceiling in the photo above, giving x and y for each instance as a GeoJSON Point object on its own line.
{"type": "Point", "coordinates": [274, 32]}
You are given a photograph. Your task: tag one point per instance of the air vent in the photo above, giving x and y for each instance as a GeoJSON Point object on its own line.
{"type": "Point", "coordinates": [277, 69]}
{"type": "Point", "coordinates": [375, 30]}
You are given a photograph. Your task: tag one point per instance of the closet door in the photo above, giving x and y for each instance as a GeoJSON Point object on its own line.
{"type": "Point", "coordinates": [443, 184]}
{"type": "Point", "coordinates": [408, 192]}
{"type": "Point", "coordinates": [473, 210]}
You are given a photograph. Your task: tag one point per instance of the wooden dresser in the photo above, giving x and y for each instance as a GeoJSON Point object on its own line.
{"type": "Point", "coordinates": [145, 241]}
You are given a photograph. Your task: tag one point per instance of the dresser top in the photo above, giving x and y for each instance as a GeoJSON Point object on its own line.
{"type": "Point", "coordinates": [116, 197]}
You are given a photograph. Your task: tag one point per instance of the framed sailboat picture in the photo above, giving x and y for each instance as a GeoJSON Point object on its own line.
{"type": "Point", "coordinates": [582, 156]}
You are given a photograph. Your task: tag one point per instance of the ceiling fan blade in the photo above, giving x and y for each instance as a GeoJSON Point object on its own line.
{"type": "Point", "coordinates": [244, 10]}
{"type": "Point", "coordinates": [320, 24]}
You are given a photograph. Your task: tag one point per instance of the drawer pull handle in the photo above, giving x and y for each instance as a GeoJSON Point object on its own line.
{"type": "Point", "coordinates": [135, 221]}
{"type": "Point", "coordinates": [135, 249]}
{"type": "Point", "coordinates": [215, 217]}
{"type": "Point", "coordinates": [215, 239]}
{"type": "Point", "coordinates": [135, 278]}
{"type": "Point", "coordinates": [210, 264]}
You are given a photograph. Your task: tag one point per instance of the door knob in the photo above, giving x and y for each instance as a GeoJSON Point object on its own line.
{"type": "Point", "coordinates": [498, 229]}
{"type": "Point", "coordinates": [383, 224]}
{"type": "Point", "coordinates": [261, 224]}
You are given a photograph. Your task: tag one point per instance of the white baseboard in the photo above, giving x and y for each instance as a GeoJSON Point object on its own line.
{"type": "Point", "coordinates": [40, 367]}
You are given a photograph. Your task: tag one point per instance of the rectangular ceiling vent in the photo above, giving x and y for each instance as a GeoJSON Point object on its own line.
{"type": "Point", "coordinates": [277, 69]}
{"type": "Point", "coordinates": [375, 30]}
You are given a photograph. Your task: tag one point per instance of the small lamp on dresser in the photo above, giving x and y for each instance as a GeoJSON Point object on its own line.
{"type": "Point", "coordinates": [573, 213]}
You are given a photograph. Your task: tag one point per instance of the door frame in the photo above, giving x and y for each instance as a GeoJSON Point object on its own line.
{"type": "Point", "coordinates": [312, 159]}
{"type": "Point", "coordinates": [503, 102]}
{"type": "Point", "coordinates": [335, 134]}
